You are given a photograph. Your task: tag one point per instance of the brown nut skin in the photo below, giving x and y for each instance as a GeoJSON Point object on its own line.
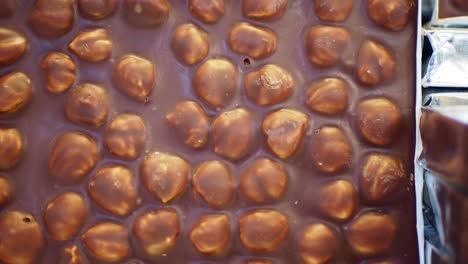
{"type": "Point", "coordinates": [87, 104]}
{"type": "Point", "coordinates": [113, 188]}
{"type": "Point", "coordinates": [73, 155]}
{"type": "Point", "coordinates": [211, 234]}
{"type": "Point", "coordinates": [324, 45]}
{"type": "Point", "coordinates": [21, 238]}
{"type": "Point", "coordinates": [327, 96]}
{"type": "Point", "coordinates": [190, 43]}
{"type": "Point", "coordinates": [5, 191]}
{"type": "Point", "coordinates": [284, 130]}
{"type": "Point", "coordinates": [329, 149]}
{"type": "Point", "coordinates": [135, 76]}
{"type": "Point", "coordinates": [233, 134]}
{"type": "Point", "coordinates": [7, 8]}
{"type": "Point", "coordinates": [72, 254]}
{"type": "Point", "coordinates": [393, 15]}
{"type": "Point", "coordinates": [333, 10]}
{"type": "Point", "coordinates": [164, 175]}
{"type": "Point", "coordinates": [11, 147]}
{"type": "Point", "coordinates": [97, 9]}
{"type": "Point", "coordinates": [371, 233]}
{"type": "Point", "coordinates": [255, 41]}
{"type": "Point", "coordinates": [51, 19]}
{"type": "Point", "coordinates": [379, 120]}
{"type": "Point", "coordinates": [215, 82]}
{"type": "Point", "coordinates": [13, 45]}
{"type": "Point", "coordinates": [107, 241]}
{"type": "Point", "coordinates": [146, 13]}
{"type": "Point", "coordinates": [337, 200]}
{"type": "Point", "coordinates": [208, 11]}
{"type": "Point", "coordinates": [15, 92]}
{"type": "Point", "coordinates": [270, 84]}
{"type": "Point", "coordinates": [263, 181]}
{"type": "Point", "coordinates": [263, 231]}
{"type": "Point", "coordinates": [65, 215]}
{"type": "Point", "coordinates": [214, 183]}
{"type": "Point", "coordinates": [318, 244]}
{"type": "Point", "coordinates": [375, 64]}
{"type": "Point", "coordinates": [264, 9]}
{"type": "Point", "coordinates": [125, 136]}
{"type": "Point", "coordinates": [60, 71]}
{"type": "Point", "coordinates": [93, 45]}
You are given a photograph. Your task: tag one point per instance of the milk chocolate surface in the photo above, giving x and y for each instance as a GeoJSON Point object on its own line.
{"type": "Point", "coordinates": [453, 8]}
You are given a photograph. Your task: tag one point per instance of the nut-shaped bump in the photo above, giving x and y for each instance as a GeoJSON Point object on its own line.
{"type": "Point", "coordinates": [146, 13]}
{"type": "Point", "coordinates": [15, 92]}
{"type": "Point", "coordinates": [375, 63]}
{"type": "Point", "coordinates": [93, 45]}
{"type": "Point", "coordinates": [333, 10]}
{"type": "Point", "coordinates": [11, 147]}
{"type": "Point", "coordinates": [264, 9]}
{"type": "Point", "coordinates": [208, 11]}
{"type": "Point", "coordinates": [255, 41]}
{"type": "Point", "coordinates": [327, 96]}
{"type": "Point", "coordinates": [13, 45]}
{"type": "Point", "coordinates": [72, 254]}
{"type": "Point", "coordinates": [211, 234]}
{"type": "Point", "coordinates": [317, 244]}
{"type": "Point", "coordinates": [135, 76]}
{"type": "Point", "coordinates": [337, 200]}
{"type": "Point", "coordinates": [390, 14]}
{"type": "Point", "coordinates": [325, 45]}
{"type": "Point", "coordinates": [97, 9]}
{"type": "Point", "coordinates": [51, 19]}
{"type": "Point", "coordinates": [190, 43]}
{"type": "Point", "coordinates": [107, 241]}
{"type": "Point", "coordinates": [60, 71]}
{"type": "Point", "coordinates": [5, 191]}
{"type": "Point", "coordinates": [125, 136]}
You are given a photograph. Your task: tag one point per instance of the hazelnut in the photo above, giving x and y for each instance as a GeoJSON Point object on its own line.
{"type": "Point", "coordinates": [327, 96]}
{"type": "Point", "coordinates": [7, 8]}
{"type": "Point", "coordinates": [382, 178]}
{"type": "Point", "coordinates": [97, 9]}
{"type": "Point", "coordinates": [190, 43]}
{"type": "Point", "coordinates": [375, 63]}
{"type": "Point", "coordinates": [215, 82]}
{"type": "Point", "coordinates": [393, 14]}
{"type": "Point", "coordinates": [72, 254]}
{"type": "Point", "coordinates": [264, 180]}
{"type": "Point", "coordinates": [337, 200]}
{"type": "Point", "coordinates": [326, 44]}
{"type": "Point", "coordinates": [190, 123]}
{"type": "Point", "coordinates": [371, 233]}
{"type": "Point", "coordinates": [60, 71]}
{"type": "Point", "coordinates": [461, 4]}
{"type": "Point", "coordinates": [107, 241]}
{"type": "Point", "coordinates": [21, 238]}
{"type": "Point", "coordinates": [125, 136]}
{"type": "Point", "coordinates": [379, 120]}
{"type": "Point", "coordinates": [113, 187]}
{"type": "Point", "coordinates": [269, 85]}
{"type": "Point", "coordinates": [318, 244]}
{"type": "Point", "coordinates": [164, 175]}
{"type": "Point", "coordinates": [92, 45]}
{"type": "Point", "coordinates": [257, 261]}
{"type": "Point", "coordinates": [87, 104]}
{"type": "Point", "coordinates": [13, 45]}
{"type": "Point", "coordinates": [146, 13]}
{"type": "Point", "coordinates": [263, 9]}
{"type": "Point", "coordinates": [135, 76]}
{"type": "Point", "coordinates": [284, 130]}
{"type": "Point", "coordinates": [51, 19]}
{"type": "Point", "coordinates": [15, 91]}
{"type": "Point", "coordinates": [65, 215]}
{"type": "Point", "coordinates": [208, 11]}
{"type": "Point", "coordinates": [157, 231]}
{"type": "Point", "coordinates": [211, 234]}
{"type": "Point", "coordinates": [329, 149]}
{"type": "Point", "coordinates": [333, 10]}
{"type": "Point", "coordinates": [73, 155]}
{"type": "Point", "coordinates": [5, 191]}
{"type": "Point", "coordinates": [11, 147]}
{"type": "Point", "coordinates": [263, 230]}
{"type": "Point", "coordinates": [214, 183]}
{"type": "Point", "coordinates": [255, 41]}
{"type": "Point", "coordinates": [233, 134]}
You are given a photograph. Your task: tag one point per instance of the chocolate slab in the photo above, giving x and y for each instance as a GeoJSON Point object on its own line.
{"type": "Point", "coordinates": [452, 8]}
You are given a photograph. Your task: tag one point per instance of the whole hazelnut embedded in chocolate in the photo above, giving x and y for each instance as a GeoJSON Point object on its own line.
{"type": "Point", "coordinates": [317, 244]}
{"type": "Point", "coordinates": [73, 155]}
{"type": "Point", "coordinates": [211, 234]}
{"type": "Point", "coordinates": [125, 136]}
{"type": "Point", "coordinates": [15, 91]}
{"type": "Point", "coordinates": [327, 96]}
{"type": "Point", "coordinates": [135, 76]}
{"type": "Point", "coordinates": [5, 191]}
{"type": "Point", "coordinates": [284, 130]}
{"type": "Point", "coordinates": [208, 11]}
{"type": "Point", "coordinates": [190, 43]}
{"type": "Point", "coordinates": [65, 215]}
{"type": "Point", "coordinates": [11, 147]}
{"type": "Point", "coordinates": [146, 13]}
{"type": "Point", "coordinates": [255, 41]}
{"type": "Point", "coordinates": [391, 14]}
{"type": "Point", "coordinates": [379, 120]}
{"type": "Point", "coordinates": [263, 230]}
{"type": "Point", "coordinates": [107, 241]}
{"type": "Point", "coordinates": [92, 45]}
{"type": "Point", "coordinates": [60, 71]}
{"type": "Point", "coordinates": [264, 180]}
{"type": "Point", "coordinates": [325, 45]}
{"type": "Point", "coordinates": [264, 9]}
{"type": "Point", "coordinates": [375, 63]}
{"type": "Point", "coordinates": [113, 188]}
{"type": "Point", "coordinates": [270, 84]}
{"type": "Point", "coordinates": [13, 45]}
{"type": "Point", "coordinates": [333, 10]}
{"type": "Point", "coordinates": [21, 238]}
{"type": "Point", "coordinates": [164, 175]}
{"type": "Point", "coordinates": [87, 104]}
{"type": "Point", "coordinates": [157, 231]}
{"type": "Point", "coordinates": [214, 183]}
{"type": "Point", "coordinates": [337, 200]}
{"type": "Point", "coordinates": [52, 18]}
{"type": "Point", "coordinates": [215, 82]}
{"type": "Point", "coordinates": [72, 254]}
{"type": "Point", "coordinates": [7, 8]}
{"type": "Point", "coordinates": [97, 9]}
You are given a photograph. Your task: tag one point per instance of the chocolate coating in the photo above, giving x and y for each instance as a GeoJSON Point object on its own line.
{"type": "Point", "coordinates": [135, 76]}
{"type": "Point", "coordinates": [337, 200]}
{"type": "Point", "coordinates": [94, 45]}
{"type": "Point", "coordinates": [11, 147]}
{"type": "Point", "coordinates": [190, 43]}
{"type": "Point", "coordinates": [263, 9]}
{"type": "Point", "coordinates": [208, 11]}
{"type": "Point", "coordinates": [257, 261]}
{"type": "Point", "coordinates": [329, 149]}
{"type": "Point", "coordinates": [60, 71]}
{"type": "Point", "coordinates": [15, 91]}
{"type": "Point", "coordinates": [318, 244]}
{"type": "Point", "coordinates": [13, 45]}
{"type": "Point", "coordinates": [97, 9]}
{"type": "Point", "coordinates": [125, 136]}
{"type": "Point", "coordinates": [327, 96]}
{"type": "Point", "coordinates": [333, 10]}
{"type": "Point", "coordinates": [52, 19]}
{"type": "Point", "coordinates": [461, 4]}
{"type": "Point", "coordinates": [7, 8]}
{"type": "Point", "coordinates": [375, 63]}
{"type": "Point", "coordinates": [255, 41]}
{"type": "Point", "coordinates": [107, 241]}
{"type": "Point", "coordinates": [390, 14]}
{"type": "Point", "coordinates": [5, 191]}
{"type": "Point", "coordinates": [146, 13]}
{"type": "Point", "coordinates": [211, 234]}
{"type": "Point", "coordinates": [324, 45]}
{"type": "Point", "coordinates": [72, 254]}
